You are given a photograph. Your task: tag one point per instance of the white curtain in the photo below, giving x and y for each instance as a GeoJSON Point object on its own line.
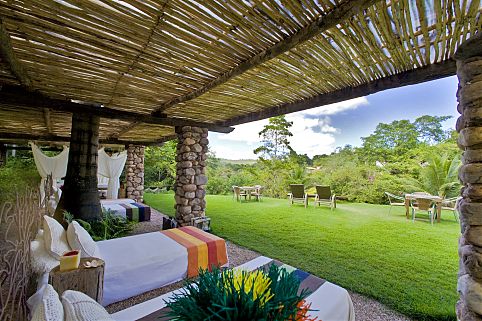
{"type": "Point", "coordinates": [56, 165]}
{"type": "Point", "coordinates": [111, 167]}
{"type": "Point", "coordinates": [108, 168]}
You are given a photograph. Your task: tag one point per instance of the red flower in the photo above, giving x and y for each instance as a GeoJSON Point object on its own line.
{"type": "Point", "coordinates": [303, 311]}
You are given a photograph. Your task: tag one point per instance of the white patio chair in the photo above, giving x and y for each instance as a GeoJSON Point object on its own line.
{"type": "Point", "coordinates": [421, 204]}
{"type": "Point", "coordinates": [395, 200]}
{"type": "Point", "coordinates": [450, 204]}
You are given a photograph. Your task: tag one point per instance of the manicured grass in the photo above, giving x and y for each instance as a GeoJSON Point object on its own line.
{"type": "Point", "coordinates": [411, 267]}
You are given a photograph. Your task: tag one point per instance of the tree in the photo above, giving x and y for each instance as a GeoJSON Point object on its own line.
{"type": "Point", "coordinates": [430, 129]}
{"type": "Point", "coordinates": [393, 141]}
{"type": "Point", "coordinates": [388, 140]}
{"type": "Point", "coordinates": [438, 177]}
{"type": "Point", "coordinates": [274, 138]}
{"type": "Point", "coordinates": [160, 164]}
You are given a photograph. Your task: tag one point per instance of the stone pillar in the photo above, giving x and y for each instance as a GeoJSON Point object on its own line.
{"type": "Point", "coordinates": [3, 155]}
{"type": "Point", "coordinates": [135, 172]}
{"type": "Point", "coordinates": [469, 126]}
{"type": "Point", "coordinates": [191, 177]}
{"type": "Point", "coordinates": [80, 195]}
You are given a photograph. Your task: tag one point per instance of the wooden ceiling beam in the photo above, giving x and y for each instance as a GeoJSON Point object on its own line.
{"type": "Point", "coordinates": [125, 130]}
{"type": "Point", "coordinates": [14, 138]}
{"type": "Point", "coordinates": [48, 122]}
{"type": "Point", "coordinates": [342, 12]}
{"type": "Point", "coordinates": [7, 54]}
{"type": "Point", "coordinates": [411, 77]}
{"type": "Point", "coordinates": [15, 96]}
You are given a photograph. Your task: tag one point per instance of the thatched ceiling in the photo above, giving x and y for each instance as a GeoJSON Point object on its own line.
{"type": "Point", "coordinates": [215, 62]}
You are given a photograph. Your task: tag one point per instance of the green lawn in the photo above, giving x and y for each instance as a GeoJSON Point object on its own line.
{"type": "Point", "coordinates": [411, 267]}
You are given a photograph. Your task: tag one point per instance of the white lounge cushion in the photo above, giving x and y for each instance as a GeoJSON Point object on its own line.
{"type": "Point", "coordinates": [55, 237]}
{"type": "Point", "coordinates": [49, 307]}
{"type": "Point", "coordinates": [80, 239]}
{"type": "Point", "coordinates": [80, 307]}
{"type": "Point", "coordinates": [41, 260]}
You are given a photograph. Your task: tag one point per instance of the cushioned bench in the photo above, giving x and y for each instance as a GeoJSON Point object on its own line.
{"type": "Point", "coordinates": [129, 209]}
{"type": "Point", "coordinates": [329, 302]}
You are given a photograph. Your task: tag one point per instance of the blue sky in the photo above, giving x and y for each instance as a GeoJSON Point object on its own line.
{"type": "Point", "coordinates": [320, 130]}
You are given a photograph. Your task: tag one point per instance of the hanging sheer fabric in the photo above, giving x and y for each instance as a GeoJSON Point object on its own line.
{"type": "Point", "coordinates": [56, 165]}
{"type": "Point", "coordinates": [111, 167]}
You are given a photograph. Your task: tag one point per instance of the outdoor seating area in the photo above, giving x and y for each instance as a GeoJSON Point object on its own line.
{"type": "Point", "coordinates": [248, 193]}
{"type": "Point", "coordinates": [92, 91]}
{"type": "Point", "coordinates": [423, 202]}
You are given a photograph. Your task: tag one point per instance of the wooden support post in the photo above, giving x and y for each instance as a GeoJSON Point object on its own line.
{"type": "Point", "coordinates": [80, 195]}
{"type": "Point", "coordinates": [191, 176]}
{"type": "Point", "coordinates": [3, 155]}
{"type": "Point", "coordinates": [469, 126]}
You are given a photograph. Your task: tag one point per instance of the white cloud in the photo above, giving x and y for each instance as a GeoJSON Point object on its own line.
{"type": "Point", "coordinates": [312, 131]}
{"type": "Point", "coordinates": [247, 133]}
{"type": "Point", "coordinates": [335, 108]}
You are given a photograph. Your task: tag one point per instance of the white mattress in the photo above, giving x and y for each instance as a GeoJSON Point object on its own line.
{"type": "Point", "coordinates": [332, 302]}
{"type": "Point", "coordinates": [136, 264]}
{"type": "Point", "coordinates": [115, 206]}
{"type": "Point", "coordinates": [118, 201]}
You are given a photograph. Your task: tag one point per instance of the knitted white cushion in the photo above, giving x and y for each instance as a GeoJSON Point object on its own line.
{"type": "Point", "coordinates": [80, 307]}
{"type": "Point", "coordinates": [41, 260]}
{"type": "Point", "coordinates": [55, 237]}
{"type": "Point", "coordinates": [49, 308]}
{"type": "Point", "coordinates": [80, 239]}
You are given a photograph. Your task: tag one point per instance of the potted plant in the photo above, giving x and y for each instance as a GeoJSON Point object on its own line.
{"type": "Point", "coordinates": [265, 294]}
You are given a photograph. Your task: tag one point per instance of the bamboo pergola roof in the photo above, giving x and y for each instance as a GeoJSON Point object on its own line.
{"type": "Point", "coordinates": [147, 66]}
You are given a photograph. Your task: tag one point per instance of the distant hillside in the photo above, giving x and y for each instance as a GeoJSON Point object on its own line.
{"type": "Point", "coordinates": [238, 161]}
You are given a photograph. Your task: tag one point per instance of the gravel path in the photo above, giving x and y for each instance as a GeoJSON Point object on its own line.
{"type": "Point", "coordinates": [366, 309]}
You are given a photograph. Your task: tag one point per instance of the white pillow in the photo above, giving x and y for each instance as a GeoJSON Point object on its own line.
{"type": "Point", "coordinates": [41, 260]}
{"type": "Point", "coordinates": [80, 307]}
{"type": "Point", "coordinates": [49, 307]}
{"type": "Point", "coordinates": [80, 239]}
{"type": "Point", "coordinates": [55, 237]}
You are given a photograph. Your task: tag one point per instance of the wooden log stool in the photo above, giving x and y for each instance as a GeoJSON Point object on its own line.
{"type": "Point", "coordinates": [86, 280]}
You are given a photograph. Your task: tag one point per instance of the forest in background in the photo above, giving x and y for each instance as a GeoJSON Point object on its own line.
{"type": "Point", "coordinates": [398, 157]}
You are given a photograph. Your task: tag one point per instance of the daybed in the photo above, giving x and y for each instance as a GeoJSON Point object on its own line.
{"type": "Point", "coordinates": [143, 262]}
{"type": "Point", "coordinates": [128, 208]}
{"type": "Point", "coordinates": [139, 263]}
{"type": "Point", "coordinates": [329, 302]}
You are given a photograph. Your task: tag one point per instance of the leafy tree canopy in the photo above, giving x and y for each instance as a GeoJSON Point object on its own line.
{"type": "Point", "coordinates": [274, 138]}
{"type": "Point", "coordinates": [391, 141]}
{"type": "Point", "coordinates": [160, 164]}
{"type": "Point", "coordinates": [430, 129]}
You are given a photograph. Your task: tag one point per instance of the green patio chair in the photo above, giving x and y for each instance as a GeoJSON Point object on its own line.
{"type": "Point", "coordinates": [395, 200]}
{"type": "Point", "coordinates": [298, 194]}
{"type": "Point", "coordinates": [325, 197]}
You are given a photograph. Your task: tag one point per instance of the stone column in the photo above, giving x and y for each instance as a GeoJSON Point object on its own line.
{"type": "Point", "coordinates": [469, 126]}
{"type": "Point", "coordinates": [135, 172]}
{"type": "Point", "coordinates": [191, 177]}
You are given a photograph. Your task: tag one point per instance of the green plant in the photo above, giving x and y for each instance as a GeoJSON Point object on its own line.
{"type": "Point", "coordinates": [438, 177]}
{"type": "Point", "coordinates": [111, 226]}
{"type": "Point", "coordinates": [240, 295]}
